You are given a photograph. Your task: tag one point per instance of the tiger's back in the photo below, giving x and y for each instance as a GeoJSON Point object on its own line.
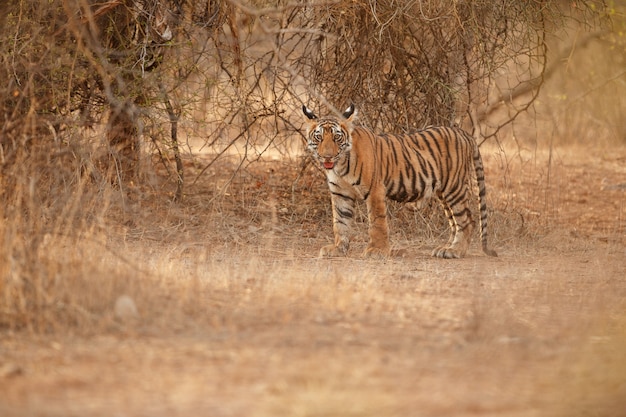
{"type": "Point", "coordinates": [416, 165]}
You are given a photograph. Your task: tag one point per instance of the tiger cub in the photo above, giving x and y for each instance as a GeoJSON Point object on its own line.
{"type": "Point", "coordinates": [359, 164]}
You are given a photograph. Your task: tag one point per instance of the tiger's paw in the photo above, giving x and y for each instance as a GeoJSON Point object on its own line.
{"type": "Point", "coordinates": [399, 253]}
{"type": "Point", "coordinates": [490, 252]}
{"type": "Point", "coordinates": [446, 252]}
{"type": "Point", "coordinates": [374, 252]}
{"type": "Point", "coordinates": [330, 251]}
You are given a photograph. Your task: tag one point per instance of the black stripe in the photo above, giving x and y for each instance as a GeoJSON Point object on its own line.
{"type": "Point", "coordinates": [343, 196]}
{"type": "Point", "coordinates": [347, 213]}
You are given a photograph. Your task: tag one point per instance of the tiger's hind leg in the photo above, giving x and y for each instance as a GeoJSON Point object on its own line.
{"type": "Point", "coordinates": [461, 225]}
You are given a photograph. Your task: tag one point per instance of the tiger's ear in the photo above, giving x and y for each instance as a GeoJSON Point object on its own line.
{"type": "Point", "coordinates": [349, 113]}
{"type": "Point", "coordinates": [308, 113]}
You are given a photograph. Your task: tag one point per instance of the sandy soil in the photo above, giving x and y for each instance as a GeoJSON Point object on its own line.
{"type": "Point", "coordinates": [254, 325]}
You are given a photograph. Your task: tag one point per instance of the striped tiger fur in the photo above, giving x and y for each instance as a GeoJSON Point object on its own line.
{"type": "Point", "coordinates": [435, 162]}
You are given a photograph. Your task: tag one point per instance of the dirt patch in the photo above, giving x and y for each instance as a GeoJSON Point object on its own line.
{"type": "Point", "coordinates": [237, 317]}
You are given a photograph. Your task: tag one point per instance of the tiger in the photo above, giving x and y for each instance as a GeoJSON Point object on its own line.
{"type": "Point", "coordinates": [362, 165]}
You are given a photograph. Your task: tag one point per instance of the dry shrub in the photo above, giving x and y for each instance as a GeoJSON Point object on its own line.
{"type": "Point", "coordinates": [421, 63]}
{"type": "Point", "coordinates": [61, 165]}
{"type": "Point", "coordinates": [50, 207]}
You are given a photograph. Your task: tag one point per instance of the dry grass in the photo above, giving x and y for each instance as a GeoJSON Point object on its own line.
{"type": "Point", "coordinates": [236, 316]}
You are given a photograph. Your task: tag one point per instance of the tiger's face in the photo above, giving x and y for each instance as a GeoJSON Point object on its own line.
{"type": "Point", "coordinates": [329, 138]}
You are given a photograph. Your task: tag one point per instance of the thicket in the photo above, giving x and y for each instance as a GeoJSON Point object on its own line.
{"type": "Point", "coordinates": [90, 91]}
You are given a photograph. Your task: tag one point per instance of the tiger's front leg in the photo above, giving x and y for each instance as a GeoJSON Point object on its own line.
{"type": "Point", "coordinates": [343, 216]}
{"type": "Point", "coordinates": [378, 245]}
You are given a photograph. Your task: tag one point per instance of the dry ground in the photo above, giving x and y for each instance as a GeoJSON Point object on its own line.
{"type": "Point", "coordinates": [238, 318]}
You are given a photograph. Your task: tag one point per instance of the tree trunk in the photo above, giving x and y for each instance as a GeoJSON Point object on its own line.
{"type": "Point", "coordinates": [123, 142]}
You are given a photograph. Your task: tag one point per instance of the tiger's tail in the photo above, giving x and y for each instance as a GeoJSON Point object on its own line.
{"type": "Point", "coordinates": [482, 201]}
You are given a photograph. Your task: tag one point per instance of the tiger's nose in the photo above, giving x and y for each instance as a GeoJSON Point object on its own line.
{"type": "Point", "coordinates": [326, 153]}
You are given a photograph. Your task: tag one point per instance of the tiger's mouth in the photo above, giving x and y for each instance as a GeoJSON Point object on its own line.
{"type": "Point", "coordinates": [327, 162]}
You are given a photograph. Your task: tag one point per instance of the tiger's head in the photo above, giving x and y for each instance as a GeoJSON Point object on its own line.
{"type": "Point", "coordinates": [329, 139]}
